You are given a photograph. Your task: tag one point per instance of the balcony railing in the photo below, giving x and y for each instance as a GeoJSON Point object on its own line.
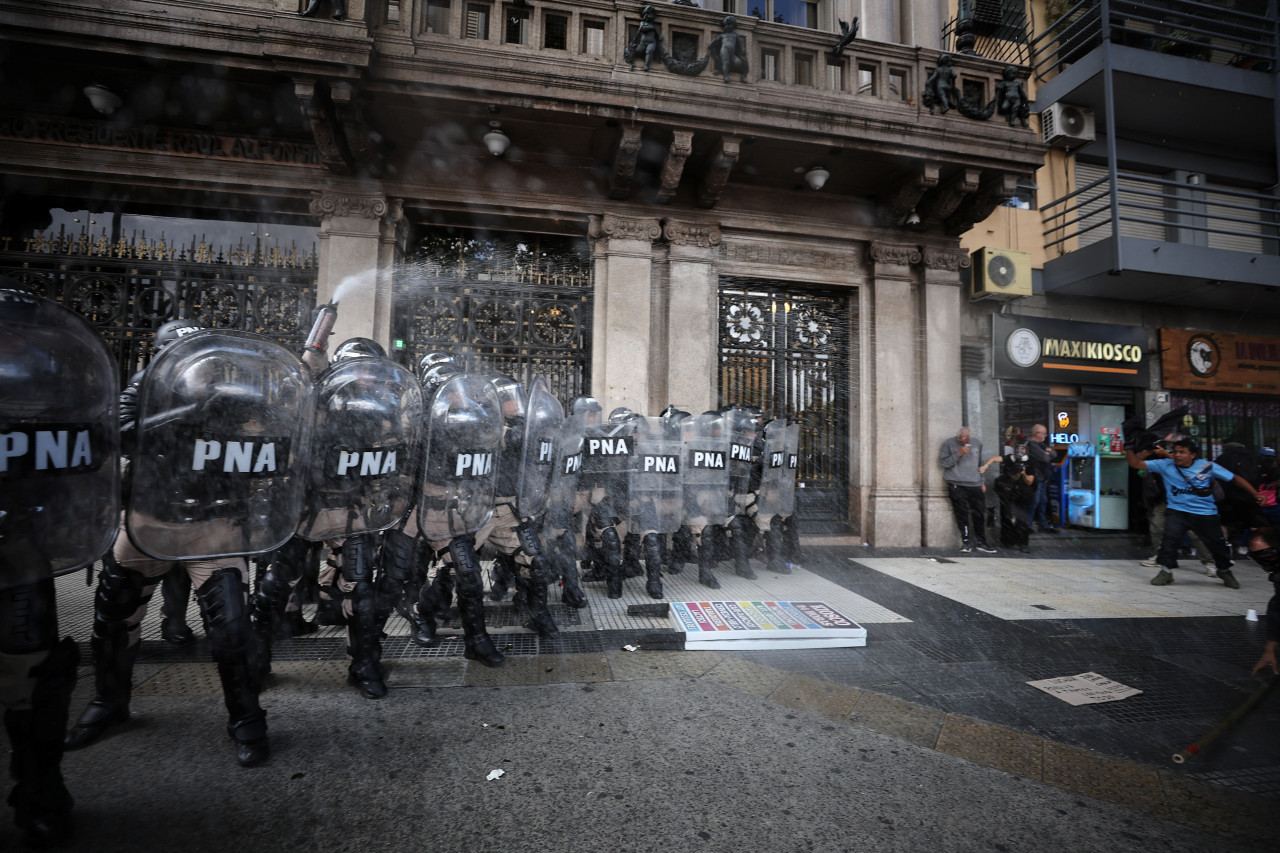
{"type": "Point", "coordinates": [1204, 31]}
{"type": "Point", "coordinates": [1166, 211]}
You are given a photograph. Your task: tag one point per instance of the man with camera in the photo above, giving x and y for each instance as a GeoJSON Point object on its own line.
{"type": "Point", "coordinates": [1188, 484]}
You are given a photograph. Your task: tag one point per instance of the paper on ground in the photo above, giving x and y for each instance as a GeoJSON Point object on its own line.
{"type": "Point", "coordinates": [1085, 689]}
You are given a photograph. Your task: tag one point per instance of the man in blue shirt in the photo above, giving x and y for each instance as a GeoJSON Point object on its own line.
{"type": "Point", "coordinates": [1188, 488]}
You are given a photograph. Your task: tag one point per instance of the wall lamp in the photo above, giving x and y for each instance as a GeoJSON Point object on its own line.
{"type": "Point", "coordinates": [103, 99]}
{"type": "Point", "coordinates": [911, 220]}
{"type": "Point", "coordinates": [816, 177]}
{"type": "Point", "coordinates": [495, 140]}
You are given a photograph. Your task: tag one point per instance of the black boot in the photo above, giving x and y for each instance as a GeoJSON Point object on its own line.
{"type": "Point", "coordinates": [175, 592]}
{"type": "Point", "coordinates": [631, 567]}
{"type": "Point", "coordinates": [681, 551]}
{"type": "Point", "coordinates": [41, 803]}
{"type": "Point", "coordinates": [329, 608]}
{"type": "Point", "coordinates": [423, 628]}
{"type": "Point", "coordinates": [565, 561]}
{"type": "Point", "coordinates": [477, 644]}
{"type": "Point", "coordinates": [501, 578]}
{"type": "Point", "coordinates": [706, 551]}
{"type": "Point", "coordinates": [539, 621]}
{"type": "Point", "coordinates": [741, 530]}
{"type": "Point", "coordinates": [313, 6]}
{"type": "Point", "coordinates": [791, 543]}
{"type": "Point", "coordinates": [233, 647]}
{"type": "Point", "coordinates": [652, 547]}
{"type": "Point", "coordinates": [363, 631]}
{"type": "Point", "coordinates": [297, 624]}
{"type": "Point", "coordinates": [118, 596]}
{"type": "Point", "coordinates": [773, 552]}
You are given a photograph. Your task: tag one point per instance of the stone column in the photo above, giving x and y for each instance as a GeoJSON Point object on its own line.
{"type": "Point", "coordinates": [894, 517]}
{"type": "Point", "coordinates": [941, 386]}
{"type": "Point", "coordinates": [623, 310]}
{"type": "Point", "coordinates": [691, 311]}
{"type": "Point", "coordinates": [360, 240]}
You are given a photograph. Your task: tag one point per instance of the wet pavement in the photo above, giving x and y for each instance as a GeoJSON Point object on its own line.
{"type": "Point", "coordinates": [927, 737]}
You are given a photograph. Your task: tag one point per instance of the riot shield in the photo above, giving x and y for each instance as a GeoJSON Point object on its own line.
{"type": "Point", "coordinates": [222, 449]}
{"type": "Point", "coordinates": [365, 439]}
{"type": "Point", "coordinates": [608, 450]}
{"type": "Point", "coordinates": [543, 418]}
{"type": "Point", "coordinates": [464, 437]}
{"type": "Point", "coordinates": [59, 441]}
{"type": "Point", "coordinates": [656, 494]}
{"type": "Point", "coordinates": [744, 430]}
{"type": "Point", "coordinates": [706, 443]}
{"type": "Point", "coordinates": [778, 478]}
{"type": "Point", "coordinates": [563, 491]}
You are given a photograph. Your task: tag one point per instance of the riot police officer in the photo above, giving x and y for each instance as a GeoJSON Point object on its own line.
{"type": "Point", "coordinates": [776, 499]}
{"type": "Point", "coordinates": [744, 481]}
{"type": "Point", "coordinates": [607, 451]}
{"type": "Point", "coordinates": [364, 443]}
{"type": "Point", "coordinates": [655, 496]}
{"type": "Point", "coordinates": [455, 504]}
{"type": "Point", "coordinates": [210, 425]}
{"type": "Point", "coordinates": [531, 430]}
{"type": "Point", "coordinates": [58, 448]}
{"type": "Point", "coordinates": [706, 445]}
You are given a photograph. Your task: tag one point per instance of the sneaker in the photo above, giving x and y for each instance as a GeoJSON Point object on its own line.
{"type": "Point", "coordinates": [966, 548]}
{"type": "Point", "coordinates": [1242, 551]}
{"type": "Point", "coordinates": [1151, 562]}
{"type": "Point", "coordinates": [986, 549]}
{"type": "Point", "coordinates": [1229, 579]}
{"type": "Point", "coordinates": [1210, 570]}
{"type": "Point", "coordinates": [1164, 576]}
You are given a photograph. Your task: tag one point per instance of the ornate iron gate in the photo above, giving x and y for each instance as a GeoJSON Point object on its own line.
{"type": "Point", "coordinates": [507, 308]}
{"type": "Point", "coordinates": [127, 289]}
{"type": "Point", "coordinates": [791, 351]}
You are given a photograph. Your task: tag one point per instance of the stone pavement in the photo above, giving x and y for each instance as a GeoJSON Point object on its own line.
{"type": "Point", "coordinates": [927, 738]}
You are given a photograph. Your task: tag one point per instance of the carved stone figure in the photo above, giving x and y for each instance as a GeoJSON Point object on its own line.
{"type": "Point", "coordinates": [1011, 97]}
{"type": "Point", "coordinates": [729, 50]}
{"type": "Point", "coordinates": [847, 35]}
{"type": "Point", "coordinates": [940, 89]}
{"type": "Point", "coordinates": [313, 7]}
{"type": "Point", "coordinates": [646, 40]}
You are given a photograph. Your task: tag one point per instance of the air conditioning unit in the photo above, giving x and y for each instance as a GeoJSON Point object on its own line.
{"type": "Point", "coordinates": [1067, 126]}
{"type": "Point", "coordinates": [1000, 274]}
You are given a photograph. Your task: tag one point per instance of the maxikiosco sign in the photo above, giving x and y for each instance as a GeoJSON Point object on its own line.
{"type": "Point", "coordinates": [1041, 349]}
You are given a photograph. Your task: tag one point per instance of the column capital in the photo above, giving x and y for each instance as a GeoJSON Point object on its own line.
{"type": "Point", "coordinates": [326, 205]}
{"type": "Point", "coordinates": [952, 260]}
{"type": "Point", "coordinates": [681, 233]}
{"type": "Point", "coordinates": [900, 254]}
{"type": "Point", "coordinates": [624, 228]}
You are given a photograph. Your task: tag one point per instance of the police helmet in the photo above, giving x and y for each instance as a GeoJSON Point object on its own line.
{"type": "Point", "coordinates": [437, 375]}
{"type": "Point", "coordinates": [620, 414]}
{"type": "Point", "coordinates": [511, 396]}
{"type": "Point", "coordinates": [430, 360]}
{"type": "Point", "coordinates": [585, 406]}
{"type": "Point", "coordinates": [172, 330]}
{"type": "Point", "coordinates": [358, 348]}
{"type": "Point", "coordinates": [671, 413]}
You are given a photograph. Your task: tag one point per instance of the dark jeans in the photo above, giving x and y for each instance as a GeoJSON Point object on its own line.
{"type": "Point", "coordinates": [1040, 504]}
{"type": "Point", "coordinates": [1209, 529]}
{"type": "Point", "coordinates": [970, 507]}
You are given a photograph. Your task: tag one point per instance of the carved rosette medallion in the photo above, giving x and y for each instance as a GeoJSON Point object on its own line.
{"type": "Point", "coordinates": [895, 253]}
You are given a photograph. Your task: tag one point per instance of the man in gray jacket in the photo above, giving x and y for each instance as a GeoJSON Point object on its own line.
{"type": "Point", "coordinates": [961, 459]}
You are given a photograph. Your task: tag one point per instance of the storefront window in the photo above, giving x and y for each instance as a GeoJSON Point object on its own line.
{"type": "Point", "coordinates": [1214, 420]}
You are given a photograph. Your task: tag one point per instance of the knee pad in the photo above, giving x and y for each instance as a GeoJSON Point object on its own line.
{"type": "Point", "coordinates": [226, 616]}
{"type": "Point", "coordinates": [119, 592]}
{"type": "Point", "coordinates": [357, 559]}
{"type": "Point", "coordinates": [399, 556]}
{"type": "Point", "coordinates": [611, 546]}
{"type": "Point", "coordinates": [28, 618]}
{"type": "Point", "coordinates": [529, 542]}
